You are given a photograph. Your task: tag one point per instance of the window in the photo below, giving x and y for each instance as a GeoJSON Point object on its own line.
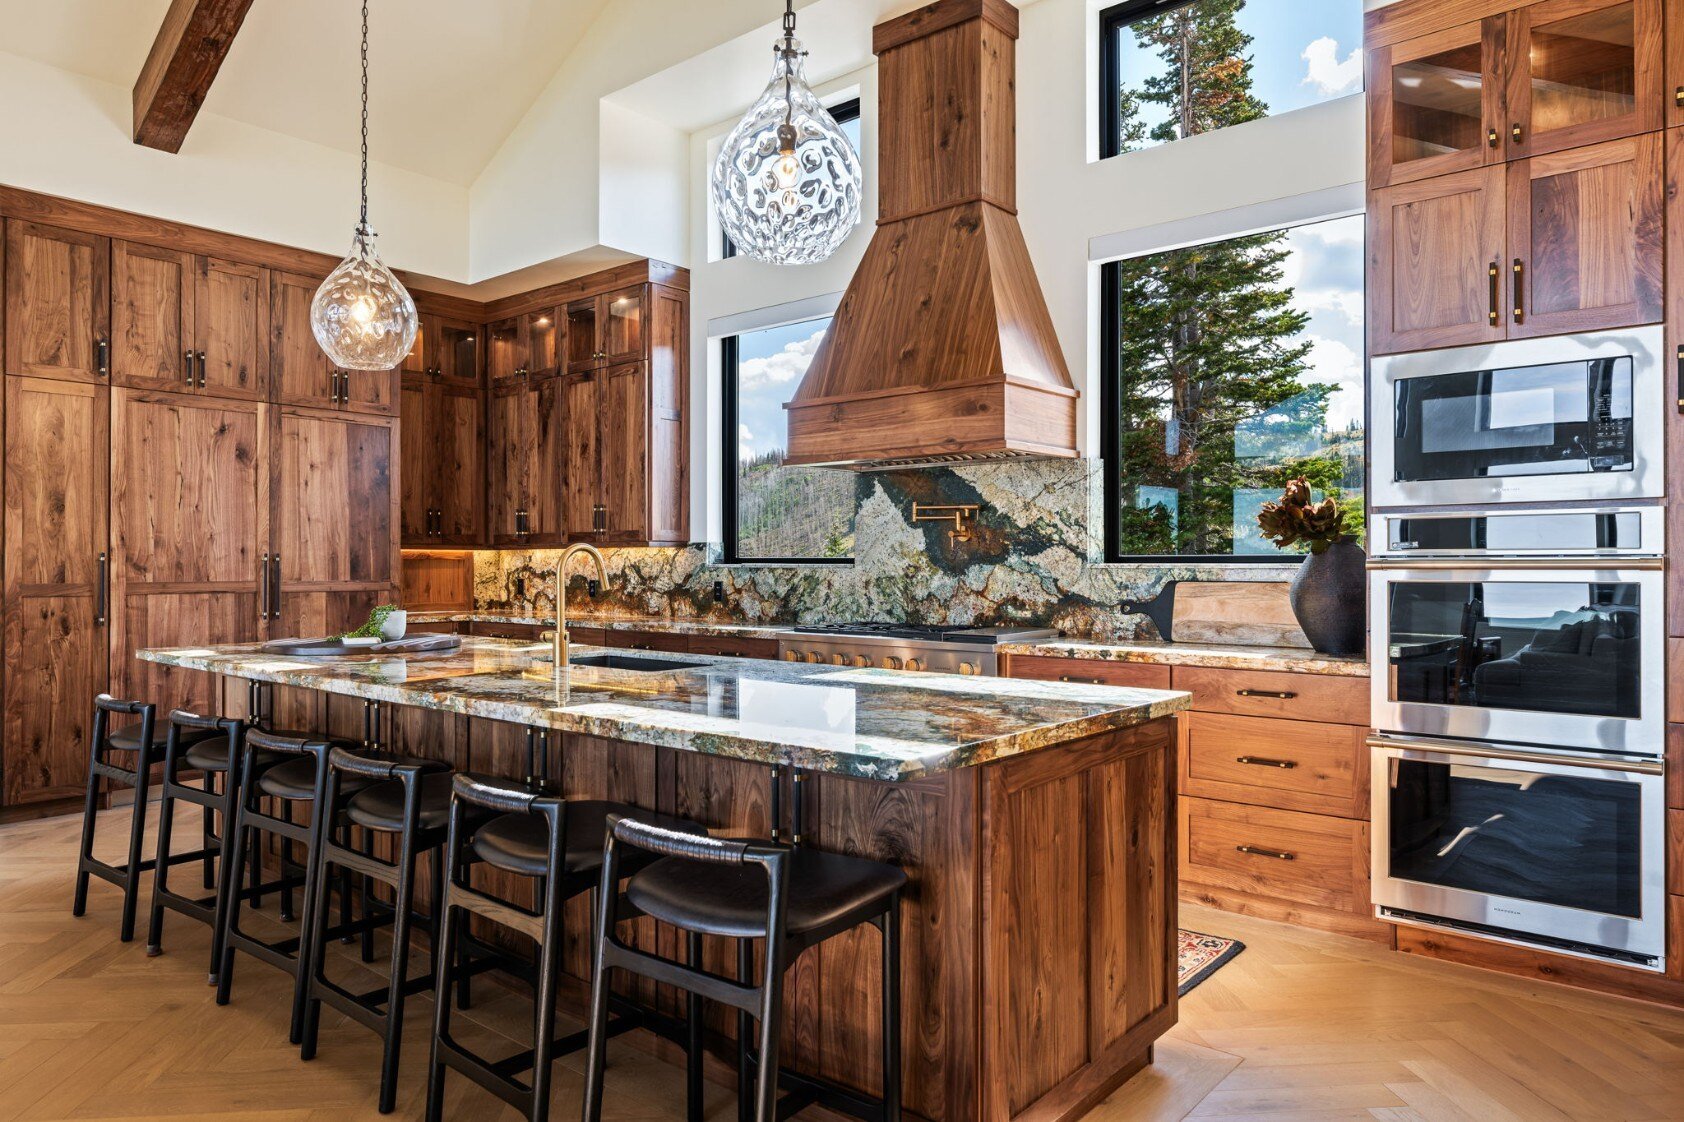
{"type": "Point", "coordinates": [1227, 369]}
{"type": "Point", "coordinates": [1246, 59]}
{"type": "Point", "coordinates": [847, 114]}
{"type": "Point", "coordinates": [774, 513]}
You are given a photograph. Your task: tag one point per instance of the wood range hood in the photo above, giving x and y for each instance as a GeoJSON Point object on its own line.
{"type": "Point", "coordinates": [942, 350]}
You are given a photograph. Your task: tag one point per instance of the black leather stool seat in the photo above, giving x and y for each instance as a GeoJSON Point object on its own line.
{"type": "Point", "coordinates": [212, 755]}
{"type": "Point", "coordinates": [519, 843]}
{"type": "Point", "coordinates": [827, 892]}
{"type": "Point", "coordinates": [380, 807]}
{"type": "Point", "coordinates": [296, 779]}
{"type": "Point", "coordinates": [128, 740]}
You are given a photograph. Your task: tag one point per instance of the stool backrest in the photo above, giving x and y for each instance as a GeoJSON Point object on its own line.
{"type": "Point", "coordinates": [231, 729]}
{"type": "Point", "coordinates": [671, 843]}
{"type": "Point", "coordinates": [105, 705]}
{"type": "Point", "coordinates": [290, 745]}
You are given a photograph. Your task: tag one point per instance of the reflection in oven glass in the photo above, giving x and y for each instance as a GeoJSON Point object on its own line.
{"type": "Point", "coordinates": [1550, 647]}
{"type": "Point", "coordinates": [1565, 840]}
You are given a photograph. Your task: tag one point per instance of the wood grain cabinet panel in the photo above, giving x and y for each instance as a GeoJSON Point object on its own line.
{"type": "Point", "coordinates": [57, 470]}
{"type": "Point", "coordinates": [300, 371]}
{"type": "Point", "coordinates": [58, 303]}
{"type": "Point", "coordinates": [1293, 765]}
{"type": "Point", "coordinates": [732, 646]}
{"type": "Point", "coordinates": [417, 452]}
{"type": "Point", "coordinates": [1328, 698]}
{"type": "Point", "coordinates": [442, 480]}
{"type": "Point", "coordinates": [337, 518]}
{"type": "Point", "coordinates": [1435, 103]}
{"type": "Point", "coordinates": [581, 396]}
{"type": "Point", "coordinates": [508, 437]}
{"type": "Point", "coordinates": [1091, 671]}
{"type": "Point", "coordinates": [1581, 72]}
{"type": "Point", "coordinates": [546, 454]}
{"type": "Point", "coordinates": [153, 345]}
{"type": "Point", "coordinates": [1436, 270]}
{"type": "Point", "coordinates": [623, 445]}
{"type": "Point", "coordinates": [189, 511]}
{"type": "Point", "coordinates": [1585, 243]}
{"type": "Point", "coordinates": [1281, 855]}
{"type": "Point", "coordinates": [230, 311]}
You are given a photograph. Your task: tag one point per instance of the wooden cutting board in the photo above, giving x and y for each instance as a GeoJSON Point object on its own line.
{"type": "Point", "coordinates": [1251, 613]}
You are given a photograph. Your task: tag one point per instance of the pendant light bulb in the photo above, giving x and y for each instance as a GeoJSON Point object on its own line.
{"type": "Point", "coordinates": [787, 183]}
{"type": "Point", "coordinates": [362, 315]}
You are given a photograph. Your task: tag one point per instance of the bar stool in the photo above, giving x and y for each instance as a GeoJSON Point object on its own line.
{"type": "Point", "coordinates": [409, 799]}
{"type": "Point", "coordinates": [142, 743]}
{"type": "Point", "coordinates": [793, 898]}
{"type": "Point", "coordinates": [299, 780]}
{"type": "Point", "coordinates": [558, 842]}
{"type": "Point", "coordinates": [214, 747]}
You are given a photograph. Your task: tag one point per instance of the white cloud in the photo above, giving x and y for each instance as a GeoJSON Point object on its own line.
{"type": "Point", "coordinates": [1344, 301]}
{"type": "Point", "coordinates": [1327, 72]}
{"type": "Point", "coordinates": [1331, 361]}
{"type": "Point", "coordinates": [785, 366]}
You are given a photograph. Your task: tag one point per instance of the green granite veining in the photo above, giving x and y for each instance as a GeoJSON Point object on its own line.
{"type": "Point", "coordinates": [874, 724]}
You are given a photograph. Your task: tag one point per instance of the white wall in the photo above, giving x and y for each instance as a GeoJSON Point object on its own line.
{"type": "Point", "coordinates": [1071, 206]}
{"type": "Point", "coordinates": [67, 134]}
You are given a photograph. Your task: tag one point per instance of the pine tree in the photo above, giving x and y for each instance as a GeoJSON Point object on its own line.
{"type": "Point", "coordinates": [1208, 337]}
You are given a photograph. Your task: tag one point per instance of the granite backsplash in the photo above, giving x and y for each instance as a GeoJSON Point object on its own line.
{"type": "Point", "coordinates": [1034, 557]}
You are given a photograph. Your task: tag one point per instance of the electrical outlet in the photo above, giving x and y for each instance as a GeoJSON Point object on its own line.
{"type": "Point", "coordinates": [719, 592]}
{"type": "Point", "coordinates": [593, 588]}
{"type": "Point", "coordinates": [520, 588]}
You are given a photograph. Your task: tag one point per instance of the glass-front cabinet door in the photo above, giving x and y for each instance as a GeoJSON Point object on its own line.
{"type": "Point", "coordinates": [1436, 103]}
{"type": "Point", "coordinates": [1583, 71]}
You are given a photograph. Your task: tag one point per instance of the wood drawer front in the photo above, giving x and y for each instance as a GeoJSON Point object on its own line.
{"type": "Point", "coordinates": [649, 641]}
{"type": "Point", "coordinates": [1328, 698]}
{"type": "Point", "coordinates": [1101, 672]}
{"type": "Point", "coordinates": [1292, 765]}
{"type": "Point", "coordinates": [442, 627]}
{"type": "Point", "coordinates": [1323, 862]}
{"type": "Point", "coordinates": [731, 647]}
{"type": "Point", "coordinates": [588, 636]}
{"type": "Point", "coordinates": [505, 630]}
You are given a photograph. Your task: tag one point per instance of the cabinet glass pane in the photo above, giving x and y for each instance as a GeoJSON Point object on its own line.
{"type": "Point", "coordinates": [502, 358]}
{"type": "Point", "coordinates": [581, 333]}
{"type": "Point", "coordinates": [456, 352]}
{"type": "Point", "coordinates": [1584, 68]}
{"type": "Point", "coordinates": [414, 361]}
{"type": "Point", "coordinates": [623, 331]}
{"type": "Point", "coordinates": [1436, 104]}
{"type": "Point", "coordinates": [541, 340]}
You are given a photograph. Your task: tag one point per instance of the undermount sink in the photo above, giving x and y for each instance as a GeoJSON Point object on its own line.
{"type": "Point", "coordinates": [630, 662]}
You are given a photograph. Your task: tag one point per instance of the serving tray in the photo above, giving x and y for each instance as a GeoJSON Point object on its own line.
{"type": "Point", "coordinates": [333, 645]}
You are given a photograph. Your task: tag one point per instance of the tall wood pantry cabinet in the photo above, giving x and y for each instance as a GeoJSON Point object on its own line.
{"type": "Point", "coordinates": [181, 465]}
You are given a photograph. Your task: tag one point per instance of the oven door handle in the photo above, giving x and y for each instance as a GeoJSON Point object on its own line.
{"type": "Point", "coordinates": [1434, 750]}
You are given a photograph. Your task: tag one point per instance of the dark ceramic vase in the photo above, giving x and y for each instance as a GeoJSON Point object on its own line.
{"type": "Point", "coordinates": [1328, 597]}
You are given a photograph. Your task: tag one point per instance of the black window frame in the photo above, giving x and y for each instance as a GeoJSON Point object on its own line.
{"type": "Point", "coordinates": [842, 111]}
{"type": "Point", "coordinates": [729, 362]}
{"type": "Point", "coordinates": [1112, 20]}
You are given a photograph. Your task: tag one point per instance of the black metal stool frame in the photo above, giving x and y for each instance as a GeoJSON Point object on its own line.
{"type": "Point", "coordinates": [127, 875]}
{"type": "Point", "coordinates": [291, 955]}
{"type": "Point", "coordinates": [208, 910]}
{"type": "Point", "coordinates": [474, 796]}
{"type": "Point", "coordinates": [366, 1008]}
{"type": "Point", "coordinates": [763, 1002]}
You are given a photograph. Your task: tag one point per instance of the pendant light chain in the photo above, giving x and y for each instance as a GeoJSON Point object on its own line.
{"type": "Point", "coordinates": [362, 225]}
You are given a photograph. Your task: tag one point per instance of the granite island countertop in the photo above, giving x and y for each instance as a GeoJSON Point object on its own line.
{"type": "Point", "coordinates": [605, 622]}
{"type": "Point", "coordinates": [874, 724]}
{"type": "Point", "coordinates": [1220, 656]}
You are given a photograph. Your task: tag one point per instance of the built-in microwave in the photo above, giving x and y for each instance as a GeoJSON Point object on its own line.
{"type": "Point", "coordinates": [1563, 655]}
{"type": "Point", "coordinates": [1574, 417]}
{"type": "Point", "coordinates": [1551, 850]}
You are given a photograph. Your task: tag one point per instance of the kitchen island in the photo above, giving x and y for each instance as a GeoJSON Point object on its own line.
{"type": "Point", "coordinates": [1035, 820]}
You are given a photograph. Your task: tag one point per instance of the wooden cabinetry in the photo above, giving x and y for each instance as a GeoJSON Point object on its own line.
{"type": "Point", "coordinates": [1435, 103]}
{"type": "Point", "coordinates": [525, 440]}
{"type": "Point", "coordinates": [1565, 242]}
{"type": "Point", "coordinates": [446, 349]}
{"type": "Point", "coordinates": [442, 476]}
{"type": "Point", "coordinates": [186, 322]}
{"type": "Point", "coordinates": [605, 330]}
{"type": "Point", "coordinates": [56, 564]}
{"type": "Point", "coordinates": [299, 368]}
{"type": "Point", "coordinates": [58, 303]}
{"type": "Point", "coordinates": [526, 345]}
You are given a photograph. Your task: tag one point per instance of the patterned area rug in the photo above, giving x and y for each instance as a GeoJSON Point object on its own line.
{"type": "Point", "coordinates": [1199, 956]}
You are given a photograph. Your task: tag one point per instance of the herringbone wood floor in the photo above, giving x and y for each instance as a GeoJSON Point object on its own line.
{"type": "Point", "coordinates": [1300, 1026]}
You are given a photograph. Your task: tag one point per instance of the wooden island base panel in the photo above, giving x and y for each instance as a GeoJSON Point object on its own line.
{"type": "Point", "coordinates": [1036, 822]}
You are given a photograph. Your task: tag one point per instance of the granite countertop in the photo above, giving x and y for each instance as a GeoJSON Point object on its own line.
{"type": "Point", "coordinates": [875, 724]}
{"type": "Point", "coordinates": [607, 622]}
{"type": "Point", "coordinates": [1222, 656]}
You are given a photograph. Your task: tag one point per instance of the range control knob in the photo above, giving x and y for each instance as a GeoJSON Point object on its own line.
{"type": "Point", "coordinates": [841, 659]}
{"type": "Point", "coordinates": [967, 668]}
{"type": "Point", "coordinates": [861, 660]}
{"type": "Point", "coordinates": [891, 662]}
{"type": "Point", "coordinates": [792, 656]}
{"type": "Point", "coordinates": [815, 656]}
{"type": "Point", "coordinates": [914, 664]}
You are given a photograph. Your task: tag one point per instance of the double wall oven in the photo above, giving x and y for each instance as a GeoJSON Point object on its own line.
{"type": "Point", "coordinates": [1518, 645]}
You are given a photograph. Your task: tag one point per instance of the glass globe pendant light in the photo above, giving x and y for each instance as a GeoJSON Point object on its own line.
{"type": "Point", "coordinates": [362, 315]}
{"type": "Point", "coordinates": [786, 185]}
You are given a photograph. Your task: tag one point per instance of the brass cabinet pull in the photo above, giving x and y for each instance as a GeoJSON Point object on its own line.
{"type": "Point", "coordinates": [1259, 851]}
{"type": "Point", "coordinates": [1085, 681]}
{"type": "Point", "coordinates": [187, 364]}
{"type": "Point", "coordinates": [201, 370]}
{"type": "Point", "coordinates": [1281, 695]}
{"type": "Point", "coordinates": [275, 586]}
{"type": "Point", "coordinates": [1517, 132]}
{"type": "Point", "coordinates": [99, 590]}
{"type": "Point", "coordinates": [1681, 377]}
{"type": "Point", "coordinates": [1264, 761]}
{"type": "Point", "coordinates": [1491, 137]}
{"type": "Point", "coordinates": [1678, 97]}
{"type": "Point", "coordinates": [1519, 285]}
{"type": "Point", "coordinates": [1492, 276]}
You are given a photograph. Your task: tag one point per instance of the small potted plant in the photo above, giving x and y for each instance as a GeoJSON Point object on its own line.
{"type": "Point", "coordinates": [1327, 592]}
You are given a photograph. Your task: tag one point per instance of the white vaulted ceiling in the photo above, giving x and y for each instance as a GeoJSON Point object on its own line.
{"type": "Point", "coordinates": [451, 77]}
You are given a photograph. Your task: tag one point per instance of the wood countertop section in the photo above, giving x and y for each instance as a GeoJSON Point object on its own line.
{"type": "Point", "coordinates": [872, 724]}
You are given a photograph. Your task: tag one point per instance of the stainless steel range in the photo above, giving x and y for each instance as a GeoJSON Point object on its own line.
{"type": "Point", "coordinates": [904, 646]}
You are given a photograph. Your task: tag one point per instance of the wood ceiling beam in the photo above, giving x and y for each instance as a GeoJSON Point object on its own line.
{"type": "Point", "coordinates": [183, 63]}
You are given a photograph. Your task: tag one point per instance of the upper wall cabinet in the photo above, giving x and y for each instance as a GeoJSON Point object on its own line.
{"type": "Point", "coordinates": [299, 368]}
{"type": "Point", "coordinates": [524, 346]}
{"type": "Point", "coordinates": [606, 330]}
{"type": "Point", "coordinates": [187, 323]}
{"type": "Point", "coordinates": [1435, 249]}
{"type": "Point", "coordinates": [1542, 78]}
{"type": "Point", "coordinates": [445, 350]}
{"type": "Point", "coordinates": [58, 303]}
